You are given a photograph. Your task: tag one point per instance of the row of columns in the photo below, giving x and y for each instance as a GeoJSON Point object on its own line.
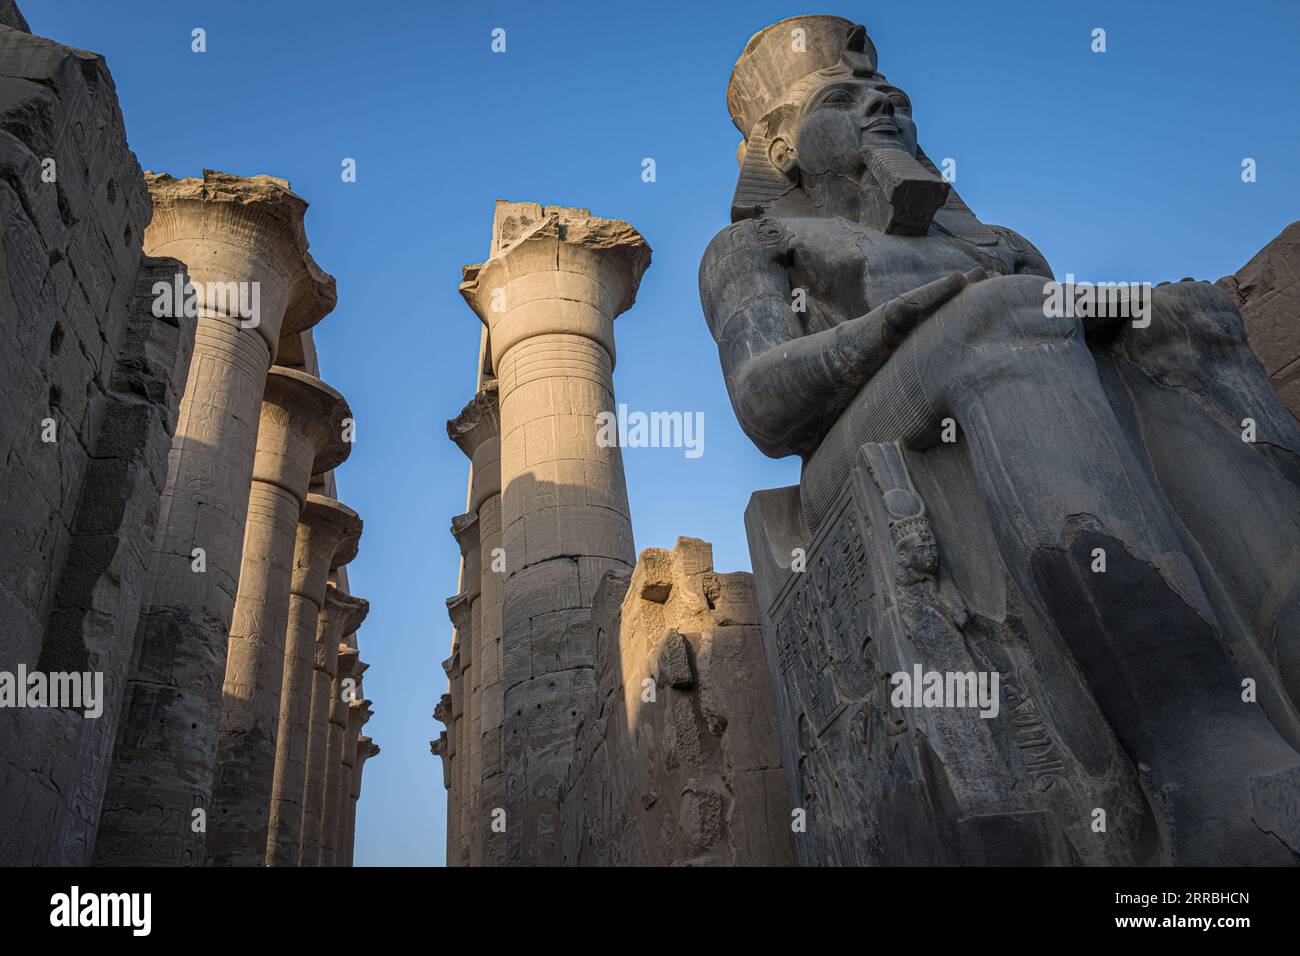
{"type": "Point", "coordinates": [224, 754]}
{"type": "Point", "coordinates": [548, 518]}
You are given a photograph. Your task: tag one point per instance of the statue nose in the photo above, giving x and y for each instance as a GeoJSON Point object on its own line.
{"type": "Point", "coordinates": [877, 104]}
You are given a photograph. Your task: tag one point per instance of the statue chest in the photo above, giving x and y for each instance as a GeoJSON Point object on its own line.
{"type": "Point", "coordinates": [847, 270]}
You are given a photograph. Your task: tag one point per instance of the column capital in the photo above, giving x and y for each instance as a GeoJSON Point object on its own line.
{"type": "Point", "coordinates": [458, 609]}
{"type": "Point", "coordinates": [301, 430]}
{"type": "Point", "coordinates": [348, 658]}
{"type": "Point", "coordinates": [442, 710]}
{"type": "Point", "coordinates": [340, 615]}
{"type": "Point", "coordinates": [229, 228]}
{"type": "Point", "coordinates": [439, 749]}
{"type": "Point", "coordinates": [464, 528]}
{"type": "Point", "coordinates": [328, 536]}
{"type": "Point", "coordinates": [564, 272]}
{"type": "Point", "coordinates": [360, 711]}
{"type": "Point", "coordinates": [478, 421]}
{"type": "Point", "coordinates": [452, 664]}
{"type": "Point", "coordinates": [343, 610]}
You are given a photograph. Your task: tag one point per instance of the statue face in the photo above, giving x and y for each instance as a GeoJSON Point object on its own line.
{"type": "Point", "coordinates": [918, 552]}
{"type": "Point", "coordinates": [843, 119]}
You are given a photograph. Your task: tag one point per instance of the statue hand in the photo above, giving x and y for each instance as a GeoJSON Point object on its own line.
{"type": "Point", "coordinates": [900, 315]}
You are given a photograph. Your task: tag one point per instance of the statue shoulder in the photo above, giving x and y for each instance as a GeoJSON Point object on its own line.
{"type": "Point", "coordinates": [1029, 260]}
{"type": "Point", "coordinates": [754, 239]}
{"type": "Point", "coordinates": [744, 261]}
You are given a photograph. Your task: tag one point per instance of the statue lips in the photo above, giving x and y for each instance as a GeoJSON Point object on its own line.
{"type": "Point", "coordinates": [882, 126]}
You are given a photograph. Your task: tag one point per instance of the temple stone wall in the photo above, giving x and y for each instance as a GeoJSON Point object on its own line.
{"type": "Point", "coordinates": [1267, 291]}
{"type": "Point", "coordinates": [677, 761]}
{"type": "Point", "coordinates": [90, 382]}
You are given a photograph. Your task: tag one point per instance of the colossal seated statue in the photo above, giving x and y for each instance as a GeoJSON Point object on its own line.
{"type": "Point", "coordinates": [1104, 513]}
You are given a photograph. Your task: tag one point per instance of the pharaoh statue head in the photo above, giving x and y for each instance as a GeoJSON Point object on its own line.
{"type": "Point", "coordinates": [817, 117]}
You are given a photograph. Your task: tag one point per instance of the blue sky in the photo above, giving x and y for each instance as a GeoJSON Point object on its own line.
{"type": "Point", "coordinates": [1118, 166]}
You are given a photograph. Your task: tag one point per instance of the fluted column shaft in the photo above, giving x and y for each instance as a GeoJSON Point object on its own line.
{"type": "Point", "coordinates": [549, 297]}
{"type": "Point", "coordinates": [334, 746]}
{"type": "Point", "coordinates": [228, 230]}
{"type": "Point", "coordinates": [340, 617]}
{"type": "Point", "coordinates": [327, 536]}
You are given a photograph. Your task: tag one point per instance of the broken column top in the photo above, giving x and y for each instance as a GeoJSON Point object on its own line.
{"type": "Point", "coordinates": [549, 268]}
{"type": "Point", "coordinates": [259, 213]}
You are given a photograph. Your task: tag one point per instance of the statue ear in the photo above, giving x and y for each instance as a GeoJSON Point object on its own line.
{"type": "Point", "coordinates": [780, 153]}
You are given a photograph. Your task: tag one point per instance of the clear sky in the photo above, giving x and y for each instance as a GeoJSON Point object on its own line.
{"type": "Point", "coordinates": [1123, 165]}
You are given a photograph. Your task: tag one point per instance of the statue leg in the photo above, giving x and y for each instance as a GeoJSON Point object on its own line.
{"type": "Point", "coordinates": [1065, 491]}
{"type": "Point", "coordinates": [1225, 450]}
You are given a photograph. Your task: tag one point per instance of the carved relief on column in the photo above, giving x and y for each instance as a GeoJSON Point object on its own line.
{"type": "Point", "coordinates": [549, 295]}
{"type": "Point", "coordinates": [341, 615]}
{"type": "Point", "coordinates": [246, 235]}
{"type": "Point", "coordinates": [327, 538]}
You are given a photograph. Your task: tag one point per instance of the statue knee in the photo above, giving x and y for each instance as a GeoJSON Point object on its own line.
{"type": "Point", "coordinates": [1189, 311]}
{"type": "Point", "coordinates": [985, 333]}
{"type": "Point", "coordinates": [1010, 311]}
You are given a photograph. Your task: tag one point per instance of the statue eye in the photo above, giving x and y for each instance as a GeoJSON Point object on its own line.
{"type": "Point", "coordinates": [836, 98]}
{"type": "Point", "coordinates": [900, 102]}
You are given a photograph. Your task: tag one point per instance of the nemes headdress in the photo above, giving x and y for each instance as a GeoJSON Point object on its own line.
{"type": "Point", "coordinates": [779, 66]}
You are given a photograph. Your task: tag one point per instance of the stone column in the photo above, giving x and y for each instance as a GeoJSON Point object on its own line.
{"type": "Point", "coordinates": [327, 537]}
{"type": "Point", "coordinates": [453, 719]}
{"type": "Point", "coordinates": [366, 748]}
{"type": "Point", "coordinates": [359, 714]}
{"type": "Point", "coordinates": [227, 229]}
{"type": "Point", "coordinates": [445, 749]}
{"type": "Point", "coordinates": [549, 296]}
{"type": "Point", "coordinates": [301, 435]}
{"type": "Point", "coordinates": [334, 743]}
{"type": "Point", "coordinates": [340, 616]}
{"type": "Point", "coordinates": [476, 431]}
{"type": "Point", "coordinates": [463, 610]}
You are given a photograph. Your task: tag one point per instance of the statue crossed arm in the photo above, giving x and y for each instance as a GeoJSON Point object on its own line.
{"type": "Point", "coordinates": [787, 383]}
